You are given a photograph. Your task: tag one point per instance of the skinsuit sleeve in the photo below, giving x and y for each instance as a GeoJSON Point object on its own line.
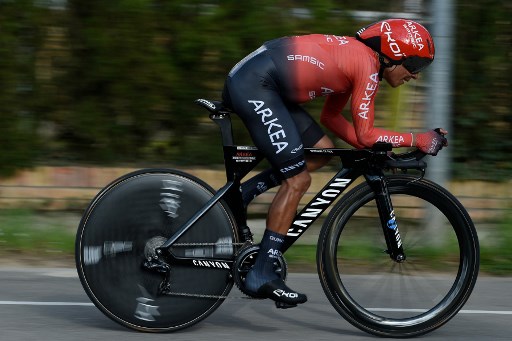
{"type": "Point", "coordinates": [332, 118]}
{"type": "Point", "coordinates": [362, 71]}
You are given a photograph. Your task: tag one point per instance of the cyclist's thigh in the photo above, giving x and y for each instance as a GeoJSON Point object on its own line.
{"type": "Point", "coordinates": [310, 131]}
{"type": "Point", "coordinates": [254, 97]}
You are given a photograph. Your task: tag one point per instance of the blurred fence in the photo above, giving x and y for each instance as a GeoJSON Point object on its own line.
{"type": "Point", "coordinates": [72, 188]}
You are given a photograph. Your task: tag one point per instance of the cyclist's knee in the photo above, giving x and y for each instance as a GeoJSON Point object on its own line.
{"type": "Point", "coordinates": [315, 162]}
{"type": "Point", "coordinates": [324, 142]}
{"type": "Point", "coordinates": [298, 183]}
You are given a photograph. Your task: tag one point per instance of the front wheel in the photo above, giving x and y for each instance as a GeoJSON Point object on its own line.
{"type": "Point", "coordinates": [122, 228]}
{"type": "Point", "coordinates": [410, 298]}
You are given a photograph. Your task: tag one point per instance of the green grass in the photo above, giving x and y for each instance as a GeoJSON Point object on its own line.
{"type": "Point", "coordinates": [25, 232]}
{"type": "Point", "coordinates": [497, 258]}
{"type": "Point", "coordinates": [50, 235]}
{"type": "Point", "coordinates": [301, 258]}
{"type": "Point", "coordinates": [360, 257]}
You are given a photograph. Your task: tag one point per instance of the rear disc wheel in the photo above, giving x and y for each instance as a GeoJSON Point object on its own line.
{"type": "Point", "coordinates": [124, 225]}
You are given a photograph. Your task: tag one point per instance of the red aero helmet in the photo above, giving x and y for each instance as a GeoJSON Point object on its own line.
{"type": "Point", "coordinates": [401, 41]}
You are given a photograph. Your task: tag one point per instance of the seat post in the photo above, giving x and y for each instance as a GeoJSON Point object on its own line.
{"type": "Point", "coordinates": [223, 120]}
{"type": "Point", "coordinates": [220, 115]}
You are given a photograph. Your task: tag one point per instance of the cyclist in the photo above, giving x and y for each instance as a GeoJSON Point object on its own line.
{"type": "Point", "coordinates": [266, 89]}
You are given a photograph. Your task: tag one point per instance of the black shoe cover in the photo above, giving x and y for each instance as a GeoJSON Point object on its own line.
{"type": "Point", "coordinates": [277, 291]}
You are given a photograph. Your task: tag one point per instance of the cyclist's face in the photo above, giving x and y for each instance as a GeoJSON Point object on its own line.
{"type": "Point", "coordinates": [398, 75]}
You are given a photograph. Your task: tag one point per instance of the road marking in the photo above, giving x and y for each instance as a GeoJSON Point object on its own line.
{"type": "Point", "coordinates": [84, 304]}
{"type": "Point", "coordinates": [45, 303]}
{"type": "Point", "coordinates": [490, 312]}
{"type": "Point", "coordinates": [495, 312]}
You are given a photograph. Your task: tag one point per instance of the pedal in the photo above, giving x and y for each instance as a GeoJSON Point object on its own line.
{"type": "Point", "coordinates": [282, 305]}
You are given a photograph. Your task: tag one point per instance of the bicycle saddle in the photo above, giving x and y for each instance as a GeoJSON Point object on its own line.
{"type": "Point", "coordinates": [215, 107]}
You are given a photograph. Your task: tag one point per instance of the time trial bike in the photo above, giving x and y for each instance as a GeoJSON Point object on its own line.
{"type": "Point", "coordinates": [159, 250]}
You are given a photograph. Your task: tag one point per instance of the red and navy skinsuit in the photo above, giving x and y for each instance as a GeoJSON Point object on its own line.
{"type": "Point", "coordinates": [267, 87]}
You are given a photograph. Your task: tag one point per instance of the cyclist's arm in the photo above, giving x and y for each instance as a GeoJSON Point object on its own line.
{"type": "Point", "coordinates": [333, 120]}
{"type": "Point", "coordinates": [363, 115]}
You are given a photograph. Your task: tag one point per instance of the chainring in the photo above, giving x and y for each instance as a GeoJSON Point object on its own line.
{"type": "Point", "coordinates": [151, 246]}
{"type": "Point", "coordinates": [245, 261]}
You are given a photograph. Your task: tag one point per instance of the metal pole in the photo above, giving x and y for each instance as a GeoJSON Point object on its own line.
{"type": "Point", "coordinates": [439, 107]}
{"type": "Point", "coordinates": [439, 114]}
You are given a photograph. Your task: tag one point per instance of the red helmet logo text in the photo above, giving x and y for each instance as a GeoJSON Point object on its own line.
{"type": "Point", "coordinates": [393, 45]}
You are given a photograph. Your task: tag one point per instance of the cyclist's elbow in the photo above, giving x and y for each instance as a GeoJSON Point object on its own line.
{"type": "Point", "coordinates": [326, 122]}
{"type": "Point", "coordinates": [365, 141]}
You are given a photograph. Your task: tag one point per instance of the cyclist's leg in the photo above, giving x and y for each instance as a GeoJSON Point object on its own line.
{"type": "Point", "coordinates": [260, 183]}
{"type": "Point", "coordinates": [262, 278]}
{"type": "Point", "coordinates": [312, 136]}
{"type": "Point", "coordinates": [294, 187]}
{"type": "Point", "coordinates": [254, 97]}
{"type": "Point", "coordinates": [315, 162]}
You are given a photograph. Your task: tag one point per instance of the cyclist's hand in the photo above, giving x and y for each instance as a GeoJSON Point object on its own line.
{"type": "Point", "coordinates": [431, 142]}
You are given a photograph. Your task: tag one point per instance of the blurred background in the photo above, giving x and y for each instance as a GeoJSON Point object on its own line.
{"type": "Point", "coordinates": [92, 89]}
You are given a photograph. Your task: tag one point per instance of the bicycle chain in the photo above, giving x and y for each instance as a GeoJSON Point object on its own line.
{"type": "Point", "coordinates": [207, 244]}
{"type": "Point", "coordinates": [183, 294]}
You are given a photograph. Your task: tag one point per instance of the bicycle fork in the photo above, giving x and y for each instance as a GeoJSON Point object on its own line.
{"type": "Point", "coordinates": [387, 217]}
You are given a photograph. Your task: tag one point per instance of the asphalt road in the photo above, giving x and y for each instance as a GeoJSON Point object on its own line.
{"type": "Point", "coordinates": [42, 304]}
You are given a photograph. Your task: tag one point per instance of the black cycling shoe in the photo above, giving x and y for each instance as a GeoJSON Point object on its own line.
{"type": "Point", "coordinates": [284, 297]}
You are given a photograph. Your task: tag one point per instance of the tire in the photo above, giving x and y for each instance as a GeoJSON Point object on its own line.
{"type": "Point", "coordinates": [385, 298]}
{"type": "Point", "coordinates": [125, 222]}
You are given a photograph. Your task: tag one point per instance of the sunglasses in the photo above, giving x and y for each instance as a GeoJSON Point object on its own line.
{"type": "Point", "coordinates": [415, 64]}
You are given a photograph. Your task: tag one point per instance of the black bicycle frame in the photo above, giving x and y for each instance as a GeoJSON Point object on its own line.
{"type": "Point", "coordinates": [240, 160]}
